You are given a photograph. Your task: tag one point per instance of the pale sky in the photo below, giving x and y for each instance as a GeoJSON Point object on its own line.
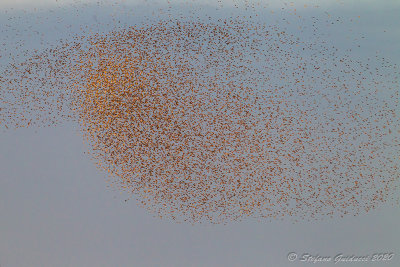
{"type": "Point", "coordinates": [20, 4]}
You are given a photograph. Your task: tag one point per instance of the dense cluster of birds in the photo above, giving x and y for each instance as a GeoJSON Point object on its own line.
{"type": "Point", "coordinates": [217, 121]}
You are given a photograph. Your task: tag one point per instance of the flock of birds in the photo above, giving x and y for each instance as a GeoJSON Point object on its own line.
{"type": "Point", "coordinates": [207, 121]}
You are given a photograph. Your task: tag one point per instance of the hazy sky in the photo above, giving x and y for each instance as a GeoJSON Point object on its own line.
{"type": "Point", "coordinates": [56, 208]}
